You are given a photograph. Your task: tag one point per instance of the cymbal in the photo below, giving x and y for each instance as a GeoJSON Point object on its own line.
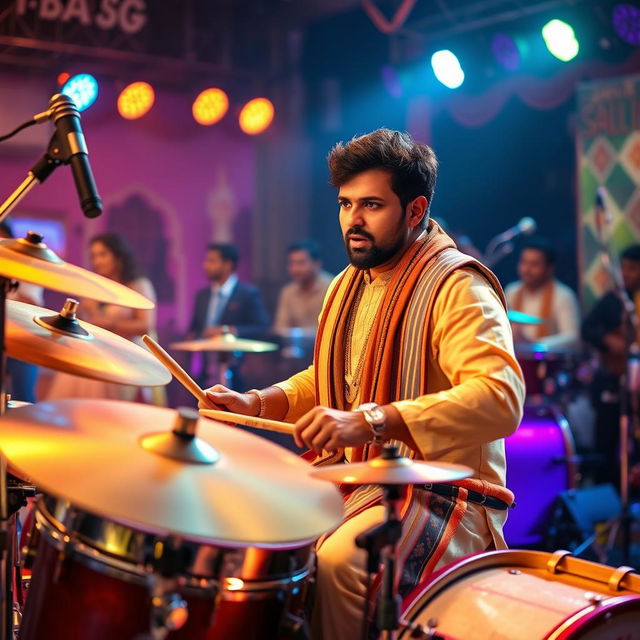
{"type": "Point", "coordinates": [61, 342]}
{"type": "Point", "coordinates": [121, 461]}
{"type": "Point", "coordinates": [539, 350]}
{"type": "Point", "coordinates": [28, 259]}
{"type": "Point", "coordinates": [392, 471]}
{"type": "Point", "coordinates": [226, 342]}
{"type": "Point", "coordinates": [518, 317]}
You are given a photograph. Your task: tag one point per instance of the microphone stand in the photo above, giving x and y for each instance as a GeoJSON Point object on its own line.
{"type": "Point", "coordinates": [629, 380]}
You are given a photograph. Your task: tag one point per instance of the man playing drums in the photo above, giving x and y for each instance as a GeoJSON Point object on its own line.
{"type": "Point", "coordinates": [414, 346]}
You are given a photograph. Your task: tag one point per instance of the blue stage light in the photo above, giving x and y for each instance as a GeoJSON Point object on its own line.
{"type": "Point", "coordinates": [82, 89]}
{"type": "Point", "coordinates": [447, 69]}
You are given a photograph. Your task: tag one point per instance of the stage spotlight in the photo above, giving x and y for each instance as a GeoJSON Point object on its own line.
{"type": "Point", "coordinates": [210, 106]}
{"type": "Point", "coordinates": [505, 51]}
{"type": "Point", "coordinates": [82, 89]}
{"type": "Point", "coordinates": [447, 69]}
{"type": "Point", "coordinates": [256, 116]}
{"type": "Point", "coordinates": [626, 22]}
{"type": "Point", "coordinates": [135, 100]}
{"type": "Point", "coordinates": [561, 40]}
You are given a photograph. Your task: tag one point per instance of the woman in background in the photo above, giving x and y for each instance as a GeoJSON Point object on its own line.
{"type": "Point", "coordinates": [112, 257]}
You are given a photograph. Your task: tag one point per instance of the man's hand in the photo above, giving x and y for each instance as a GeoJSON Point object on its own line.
{"type": "Point", "coordinates": [225, 399]}
{"type": "Point", "coordinates": [330, 429]}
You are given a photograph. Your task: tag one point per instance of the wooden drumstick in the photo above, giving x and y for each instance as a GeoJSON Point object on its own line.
{"type": "Point", "coordinates": [178, 372]}
{"type": "Point", "coordinates": [190, 384]}
{"type": "Point", "coordinates": [248, 421]}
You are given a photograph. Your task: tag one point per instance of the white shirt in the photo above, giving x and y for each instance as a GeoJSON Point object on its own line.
{"type": "Point", "coordinates": [564, 323]}
{"type": "Point", "coordinates": [220, 295]}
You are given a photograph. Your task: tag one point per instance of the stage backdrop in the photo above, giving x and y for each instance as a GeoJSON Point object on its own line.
{"type": "Point", "coordinates": [608, 155]}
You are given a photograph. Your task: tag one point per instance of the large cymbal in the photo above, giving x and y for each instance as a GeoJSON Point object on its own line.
{"type": "Point", "coordinates": [518, 317]}
{"type": "Point", "coordinates": [392, 471]}
{"type": "Point", "coordinates": [42, 337]}
{"type": "Point", "coordinates": [30, 260]}
{"type": "Point", "coordinates": [226, 342]}
{"type": "Point", "coordinates": [117, 460]}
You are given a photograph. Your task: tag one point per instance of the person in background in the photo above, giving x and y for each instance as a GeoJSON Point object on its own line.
{"type": "Point", "coordinates": [112, 257]}
{"type": "Point", "coordinates": [23, 376]}
{"type": "Point", "coordinates": [603, 329]}
{"type": "Point", "coordinates": [540, 294]}
{"type": "Point", "coordinates": [226, 305]}
{"type": "Point", "coordinates": [300, 300]}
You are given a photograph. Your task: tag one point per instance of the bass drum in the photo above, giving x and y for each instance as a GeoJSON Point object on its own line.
{"type": "Point", "coordinates": [541, 464]}
{"type": "Point", "coordinates": [526, 595]}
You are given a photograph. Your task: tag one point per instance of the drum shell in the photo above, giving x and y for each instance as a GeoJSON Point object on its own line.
{"type": "Point", "coordinates": [541, 464]}
{"type": "Point", "coordinates": [91, 579]}
{"type": "Point", "coordinates": [519, 595]}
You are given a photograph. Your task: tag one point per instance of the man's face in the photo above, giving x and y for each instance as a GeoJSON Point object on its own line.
{"type": "Point", "coordinates": [214, 267]}
{"type": "Point", "coordinates": [533, 268]}
{"type": "Point", "coordinates": [630, 274]}
{"type": "Point", "coordinates": [302, 267]}
{"type": "Point", "coordinates": [372, 220]}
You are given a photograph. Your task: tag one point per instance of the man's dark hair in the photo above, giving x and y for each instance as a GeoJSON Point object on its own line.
{"type": "Point", "coordinates": [120, 248]}
{"type": "Point", "coordinates": [542, 245]}
{"type": "Point", "coordinates": [413, 166]}
{"type": "Point", "coordinates": [228, 252]}
{"type": "Point", "coordinates": [632, 253]}
{"type": "Point", "coordinates": [310, 246]}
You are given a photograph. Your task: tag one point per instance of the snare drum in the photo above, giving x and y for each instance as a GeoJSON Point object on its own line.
{"type": "Point", "coordinates": [527, 595]}
{"type": "Point", "coordinates": [93, 578]}
{"type": "Point", "coordinates": [541, 463]}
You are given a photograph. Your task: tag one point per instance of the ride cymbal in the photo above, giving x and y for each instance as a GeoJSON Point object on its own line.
{"type": "Point", "coordinates": [125, 462]}
{"type": "Point", "coordinates": [63, 343]}
{"type": "Point", "coordinates": [225, 343]}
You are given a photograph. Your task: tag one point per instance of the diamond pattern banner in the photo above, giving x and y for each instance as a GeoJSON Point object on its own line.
{"type": "Point", "coordinates": [608, 152]}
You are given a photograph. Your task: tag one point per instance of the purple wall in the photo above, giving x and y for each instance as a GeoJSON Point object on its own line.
{"type": "Point", "coordinates": [168, 184]}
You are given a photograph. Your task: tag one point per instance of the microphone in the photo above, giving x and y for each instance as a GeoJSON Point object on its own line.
{"type": "Point", "coordinates": [499, 245]}
{"type": "Point", "coordinates": [66, 118]}
{"type": "Point", "coordinates": [525, 226]}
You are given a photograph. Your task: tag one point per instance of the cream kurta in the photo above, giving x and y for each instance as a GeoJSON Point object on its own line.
{"type": "Point", "coordinates": [475, 386]}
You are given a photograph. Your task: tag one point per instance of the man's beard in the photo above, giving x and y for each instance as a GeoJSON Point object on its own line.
{"type": "Point", "coordinates": [375, 255]}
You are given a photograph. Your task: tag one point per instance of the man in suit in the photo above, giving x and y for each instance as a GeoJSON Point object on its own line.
{"type": "Point", "coordinates": [226, 305]}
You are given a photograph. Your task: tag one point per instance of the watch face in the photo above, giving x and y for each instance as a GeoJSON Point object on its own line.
{"type": "Point", "coordinates": [378, 414]}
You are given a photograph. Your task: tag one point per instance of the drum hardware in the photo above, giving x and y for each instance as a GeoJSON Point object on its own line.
{"type": "Point", "coordinates": [390, 471]}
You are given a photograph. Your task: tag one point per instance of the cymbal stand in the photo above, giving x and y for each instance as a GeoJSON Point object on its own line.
{"type": "Point", "coordinates": [55, 155]}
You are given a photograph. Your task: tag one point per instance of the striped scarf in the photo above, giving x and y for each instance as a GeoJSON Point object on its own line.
{"type": "Point", "coordinates": [395, 368]}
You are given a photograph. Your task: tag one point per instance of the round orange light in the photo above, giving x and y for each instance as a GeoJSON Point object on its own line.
{"type": "Point", "coordinates": [210, 106]}
{"type": "Point", "coordinates": [63, 77]}
{"type": "Point", "coordinates": [256, 116]}
{"type": "Point", "coordinates": [135, 100]}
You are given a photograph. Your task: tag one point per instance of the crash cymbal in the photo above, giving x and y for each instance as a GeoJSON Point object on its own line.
{"type": "Point", "coordinates": [28, 259]}
{"type": "Point", "coordinates": [226, 342]}
{"type": "Point", "coordinates": [517, 317]}
{"type": "Point", "coordinates": [122, 461]}
{"type": "Point", "coordinates": [61, 342]}
{"type": "Point", "coordinates": [392, 471]}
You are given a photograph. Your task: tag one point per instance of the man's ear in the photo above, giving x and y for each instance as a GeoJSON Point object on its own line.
{"type": "Point", "coordinates": [417, 210]}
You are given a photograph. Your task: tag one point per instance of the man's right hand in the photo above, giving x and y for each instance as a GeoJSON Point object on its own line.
{"type": "Point", "coordinates": [224, 399]}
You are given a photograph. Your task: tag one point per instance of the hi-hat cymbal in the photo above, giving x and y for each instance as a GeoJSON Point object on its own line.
{"type": "Point", "coordinates": [518, 317]}
{"type": "Point", "coordinates": [30, 260]}
{"type": "Point", "coordinates": [392, 471]}
{"type": "Point", "coordinates": [61, 342]}
{"type": "Point", "coordinates": [226, 342]}
{"type": "Point", "coordinates": [121, 461]}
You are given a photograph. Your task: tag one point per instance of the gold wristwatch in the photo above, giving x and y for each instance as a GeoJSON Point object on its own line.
{"type": "Point", "coordinates": [376, 418]}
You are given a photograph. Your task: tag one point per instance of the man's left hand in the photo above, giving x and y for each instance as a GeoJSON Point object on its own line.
{"type": "Point", "coordinates": [330, 429]}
